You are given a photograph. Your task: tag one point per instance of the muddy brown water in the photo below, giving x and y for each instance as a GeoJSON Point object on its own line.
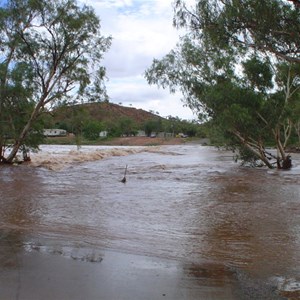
{"type": "Point", "coordinates": [224, 224]}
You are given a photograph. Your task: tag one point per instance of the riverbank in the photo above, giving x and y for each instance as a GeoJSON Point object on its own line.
{"type": "Point", "coordinates": [122, 141]}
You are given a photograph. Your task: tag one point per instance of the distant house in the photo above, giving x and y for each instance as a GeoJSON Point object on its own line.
{"type": "Point", "coordinates": [165, 135]}
{"type": "Point", "coordinates": [141, 133]}
{"type": "Point", "coordinates": [54, 132]}
{"type": "Point", "coordinates": [103, 134]}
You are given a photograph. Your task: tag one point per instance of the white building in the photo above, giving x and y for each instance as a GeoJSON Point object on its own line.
{"type": "Point", "coordinates": [141, 133]}
{"type": "Point", "coordinates": [54, 132]}
{"type": "Point", "coordinates": [103, 134]}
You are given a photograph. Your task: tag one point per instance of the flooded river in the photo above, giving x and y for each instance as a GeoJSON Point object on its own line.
{"type": "Point", "coordinates": [219, 225]}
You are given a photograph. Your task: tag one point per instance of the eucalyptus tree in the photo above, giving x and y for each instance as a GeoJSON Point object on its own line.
{"type": "Point", "coordinates": [238, 66]}
{"type": "Point", "coordinates": [50, 52]}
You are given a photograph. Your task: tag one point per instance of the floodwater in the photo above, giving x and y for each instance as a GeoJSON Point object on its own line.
{"type": "Point", "coordinates": [217, 225]}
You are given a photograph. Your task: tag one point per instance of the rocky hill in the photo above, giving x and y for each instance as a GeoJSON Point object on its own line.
{"type": "Point", "coordinates": [103, 112]}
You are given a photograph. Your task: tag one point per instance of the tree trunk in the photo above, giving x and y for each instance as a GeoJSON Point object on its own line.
{"type": "Point", "coordinates": [1, 152]}
{"type": "Point", "coordinates": [19, 141]}
{"type": "Point", "coordinates": [258, 153]}
{"type": "Point", "coordinates": [283, 161]}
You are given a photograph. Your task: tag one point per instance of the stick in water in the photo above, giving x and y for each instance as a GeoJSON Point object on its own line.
{"type": "Point", "coordinates": [124, 178]}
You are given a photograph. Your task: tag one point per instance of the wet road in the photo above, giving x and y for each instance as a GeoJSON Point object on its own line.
{"type": "Point", "coordinates": [223, 231]}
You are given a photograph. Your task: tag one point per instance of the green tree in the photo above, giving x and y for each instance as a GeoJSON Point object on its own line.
{"type": "Point", "coordinates": [190, 128]}
{"type": "Point", "coordinates": [92, 129]}
{"type": "Point", "coordinates": [127, 126]}
{"type": "Point", "coordinates": [50, 53]}
{"type": "Point", "coordinates": [152, 126]}
{"type": "Point", "coordinates": [238, 66]}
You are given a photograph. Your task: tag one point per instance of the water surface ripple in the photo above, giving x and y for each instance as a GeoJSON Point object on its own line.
{"type": "Point", "coordinates": [188, 203]}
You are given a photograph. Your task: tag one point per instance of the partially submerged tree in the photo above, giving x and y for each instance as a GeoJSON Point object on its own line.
{"type": "Point", "coordinates": [238, 65]}
{"type": "Point", "coordinates": [50, 52]}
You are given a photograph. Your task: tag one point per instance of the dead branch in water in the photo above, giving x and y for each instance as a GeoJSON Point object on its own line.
{"type": "Point", "coordinates": [124, 178]}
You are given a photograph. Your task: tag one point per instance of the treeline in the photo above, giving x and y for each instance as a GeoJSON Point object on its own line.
{"type": "Point", "coordinates": [79, 121]}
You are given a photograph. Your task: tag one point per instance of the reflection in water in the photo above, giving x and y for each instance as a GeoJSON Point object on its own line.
{"type": "Point", "coordinates": [19, 194]}
{"type": "Point", "coordinates": [218, 274]}
{"type": "Point", "coordinates": [254, 223]}
{"type": "Point", "coordinates": [188, 203]}
{"type": "Point", "coordinates": [10, 244]}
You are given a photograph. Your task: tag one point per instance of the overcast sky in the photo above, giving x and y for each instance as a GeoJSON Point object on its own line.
{"type": "Point", "coordinates": [141, 30]}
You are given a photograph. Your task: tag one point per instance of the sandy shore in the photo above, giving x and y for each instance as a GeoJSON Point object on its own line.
{"type": "Point", "coordinates": [145, 141]}
{"type": "Point", "coordinates": [124, 141]}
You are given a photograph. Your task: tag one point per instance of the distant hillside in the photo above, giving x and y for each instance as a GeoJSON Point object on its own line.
{"type": "Point", "coordinates": [103, 112]}
{"type": "Point", "coordinates": [91, 118]}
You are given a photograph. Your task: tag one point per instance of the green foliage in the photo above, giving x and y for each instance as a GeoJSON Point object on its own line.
{"type": "Point", "coordinates": [191, 129]}
{"type": "Point", "coordinates": [152, 126]}
{"type": "Point", "coordinates": [176, 125]}
{"type": "Point", "coordinates": [247, 157]}
{"type": "Point", "coordinates": [127, 126]}
{"type": "Point", "coordinates": [48, 50]}
{"type": "Point", "coordinates": [258, 73]}
{"type": "Point", "coordinates": [113, 129]}
{"type": "Point", "coordinates": [238, 67]}
{"type": "Point", "coordinates": [92, 129]}
{"type": "Point", "coordinates": [79, 117]}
